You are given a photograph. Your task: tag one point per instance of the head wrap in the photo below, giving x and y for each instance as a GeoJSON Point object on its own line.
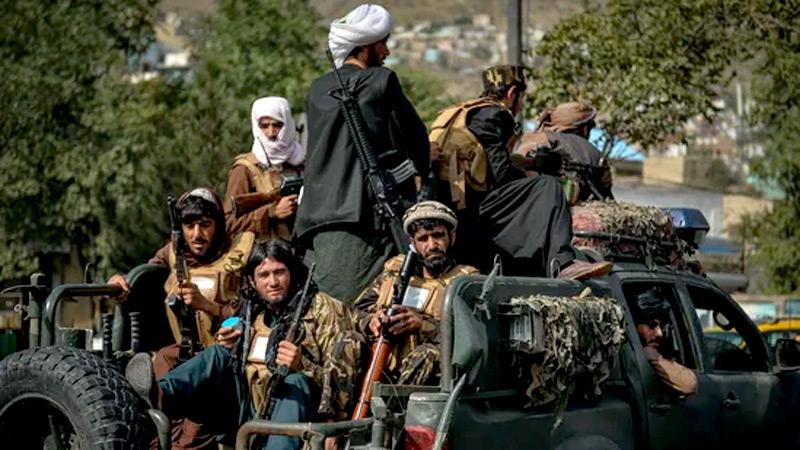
{"type": "Point", "coordinates": [428, 209]}
{"type": "Point", "coordinates": [649, 306]}
{"type": "Point", "coordinates": [567, 117]}
{"type": "Point", "coordinates": [365, 25]}
{"type": "Point", "coordinates": [284, 149]}
{"type": "Point", "coordinates": [501, 76]}
{"type": "Point", "coordinates": [206, 202]}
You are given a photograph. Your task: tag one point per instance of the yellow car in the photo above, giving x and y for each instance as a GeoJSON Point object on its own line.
{"type": "Point", "coordinates": [779, 328]}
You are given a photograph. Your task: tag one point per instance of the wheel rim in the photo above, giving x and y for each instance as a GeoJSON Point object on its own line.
{"type": "Point", "coordinates": [38, 421]}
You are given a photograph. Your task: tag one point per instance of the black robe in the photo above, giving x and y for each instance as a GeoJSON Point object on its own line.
{"type": "Point", "coordinates": [334, 192]}
{"type": "Point", "coordinates": [530, 224]}
{"type": "Point", "coordinates": [492, 126]}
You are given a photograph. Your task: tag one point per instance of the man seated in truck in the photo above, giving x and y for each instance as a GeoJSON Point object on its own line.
{"type": "Point", "coordinates": [650, 314]}
{"type": "Point", "coordinates": [212, 261]}
{"type": "Point", "coordinates": [226, 384]}
{"type": "Point", "coordinates": [415, 354]}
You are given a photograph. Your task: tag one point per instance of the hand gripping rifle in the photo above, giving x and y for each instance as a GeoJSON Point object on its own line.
{"type": "Point", "coordinates": [186, 317]}
{"type": "Point", "coordinates": [381, 185]}
{"type": "Point", "coordinates": [268, 406]}
{"type": "Point", "coordinates": [383, 346]}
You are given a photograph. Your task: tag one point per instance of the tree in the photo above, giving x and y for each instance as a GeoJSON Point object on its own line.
{"type": "Point", "coordinates": [775, 28]}
{"type": "Point", "coordinates": [53, 57]}
{"type": "Point", "coordinates": [426, 91]}
{"type": "Point", "coordinates": [88, 156]}
{"type": "Point", "coordinates": [247, 49]}
{"type": "Point", "coordinates": [647, 65]}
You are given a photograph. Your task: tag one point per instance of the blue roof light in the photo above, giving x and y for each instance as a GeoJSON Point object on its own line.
{"type": "Point", "coordinates": [689, 224]}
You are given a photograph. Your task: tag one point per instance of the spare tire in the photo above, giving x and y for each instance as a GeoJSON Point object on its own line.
{"type": "Point", "coordinates": [66, 398]}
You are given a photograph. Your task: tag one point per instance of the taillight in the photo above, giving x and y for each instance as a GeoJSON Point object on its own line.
{"type": "Point", "coordinates": [418, 437]}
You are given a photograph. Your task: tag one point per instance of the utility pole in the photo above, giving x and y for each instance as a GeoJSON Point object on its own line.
{"type": "Point", "coordinates": [514, 32]}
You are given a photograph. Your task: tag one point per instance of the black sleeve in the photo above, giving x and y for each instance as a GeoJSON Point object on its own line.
{"type": "Point", "coordinates": [493, 127]}
{"type": "Point", "coordinates": [413, 137]}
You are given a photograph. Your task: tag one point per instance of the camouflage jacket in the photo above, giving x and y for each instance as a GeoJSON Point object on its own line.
{"type": "Point", "coordinates": [424, 294]}
{"type": "Point", "coordinates": [325, 358]}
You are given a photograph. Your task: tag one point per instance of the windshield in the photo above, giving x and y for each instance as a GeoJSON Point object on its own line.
{"type": "Point", "coordinates": [762, 311]}
{"type": "Point", "coordinates": [772, 336]}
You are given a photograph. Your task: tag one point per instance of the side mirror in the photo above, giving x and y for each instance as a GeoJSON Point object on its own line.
{"type": "Point", "coordinates": [787, 354]}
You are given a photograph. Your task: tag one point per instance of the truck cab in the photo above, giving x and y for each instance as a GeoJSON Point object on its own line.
{"type": "Point", "coordinates": [745, 396]}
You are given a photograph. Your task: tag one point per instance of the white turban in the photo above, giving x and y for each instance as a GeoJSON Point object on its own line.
{"type": "Point", "coordinates": [283, 149]}
{"type": "Point", "coordinates": [365, 25]}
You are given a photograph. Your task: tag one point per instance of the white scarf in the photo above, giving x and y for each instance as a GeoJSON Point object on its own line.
{"type": "Point", "coordinates": [365, 25]}
{"type": "Point", "coordinates": [284, 149]}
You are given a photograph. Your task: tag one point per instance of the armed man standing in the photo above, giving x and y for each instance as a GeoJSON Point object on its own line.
{"type": "Point", "coordinates": [358, 175]}
{"type": "Point", "coordinates": [285, 322]}
{"type": "Point", "coordinates": [413, 324]}
{"type": "Point", "coordinates": [263, 184]}
{"type": "Point", "coordinates": [202, 289]}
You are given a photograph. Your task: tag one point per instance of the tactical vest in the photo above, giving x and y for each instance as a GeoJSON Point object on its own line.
{"type": "Point", "coordinates": [255, 370]}
{"type": "Point", "coordinates": [218, 281]}
{"type": "Point", "coordinates": [423, 294]}
{"type": "Point", "coordinates": [464, 161]}
{"type": "Point", "coordinates": [268, 179]}
{"type": "Point", "coordinates": [312, 334]}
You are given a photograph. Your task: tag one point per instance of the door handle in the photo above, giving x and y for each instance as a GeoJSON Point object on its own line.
{"type": "Point", "coordinates": [731, 402]}
{"type": "Point", "coordinates": [660, 408]}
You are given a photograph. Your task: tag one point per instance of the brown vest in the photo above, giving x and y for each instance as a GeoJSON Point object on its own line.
{"type": "Point", "coordinates": [218, 281]}
{"type": "Point", "coordinates": [464, 161]}
{"type": "Point", "coordinates": [424, 294]}
{"type": "Point", "coordinates": [267, 179]}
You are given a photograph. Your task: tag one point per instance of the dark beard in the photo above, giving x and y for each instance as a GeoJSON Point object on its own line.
{"type": "Point", "coordinates": [372, 57]}
{"type": "Point", "coordinates": [438, 264]}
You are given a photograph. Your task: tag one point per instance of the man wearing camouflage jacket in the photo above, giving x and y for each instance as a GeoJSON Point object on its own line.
{"type": "Point", "coordinates": [224, 385]}
{"type": "Point", "coordinates": [415, 323]}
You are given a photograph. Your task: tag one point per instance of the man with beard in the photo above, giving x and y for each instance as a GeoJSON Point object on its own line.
{"type": "Point", "coordinates": [337, 217]}
{"type": "Point", "coordinates": [565, 129]}
{"type": "Point", "coordinates": [223, 387]}
{"type": "Point", "coordinates": [651, 313]}
{"type": "Point", "coordinates": [415, 354]}
{"type": "Point", "coordinates": [214, 263]}
{"type": "Point", "coordinates": [275, 156]}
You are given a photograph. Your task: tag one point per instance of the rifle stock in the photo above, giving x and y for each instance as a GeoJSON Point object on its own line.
{"type": "Point", "coordinates": [382, 348]}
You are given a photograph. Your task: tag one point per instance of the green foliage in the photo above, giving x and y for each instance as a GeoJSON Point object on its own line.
{"type": "Point", "coordinates": [776, 91]}
{"type": "Point", "coordinates": [88, 156]}
{"type": "Point", "coordinates": [646, 65]}
{"type": "Point", "coordinates": [426, 91]}
{"type": "Point", "coordinates": [53, 57]}
{"type": "Point", "coordinates": [248, 49]}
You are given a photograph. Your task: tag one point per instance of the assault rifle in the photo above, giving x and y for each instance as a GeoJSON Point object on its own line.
{"type": "Point", "coordinates": [381, 185]}
{"type": "Point", "coordinates": [187, 319]}
{"type": "Point", "coordinates": [383, 346]}
{"type": "Point", "coordinates": [268, 406]}
{"type": "Point", "coordinates": [244, 203]}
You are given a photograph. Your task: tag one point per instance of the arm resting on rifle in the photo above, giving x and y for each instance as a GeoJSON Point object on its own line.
{"type": "Point", "coordinates": [256, 221]}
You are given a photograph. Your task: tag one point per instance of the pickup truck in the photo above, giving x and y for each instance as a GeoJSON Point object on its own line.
{"type": "Point", "coordinates": [748, 394]}
{"type": "Point", "coordinates": [747, 397]}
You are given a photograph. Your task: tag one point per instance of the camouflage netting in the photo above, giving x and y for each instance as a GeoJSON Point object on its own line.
{"type": "Point", "coordinates": [582, 336]}
{"type": "Point", "coordinates": [657, 242]}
